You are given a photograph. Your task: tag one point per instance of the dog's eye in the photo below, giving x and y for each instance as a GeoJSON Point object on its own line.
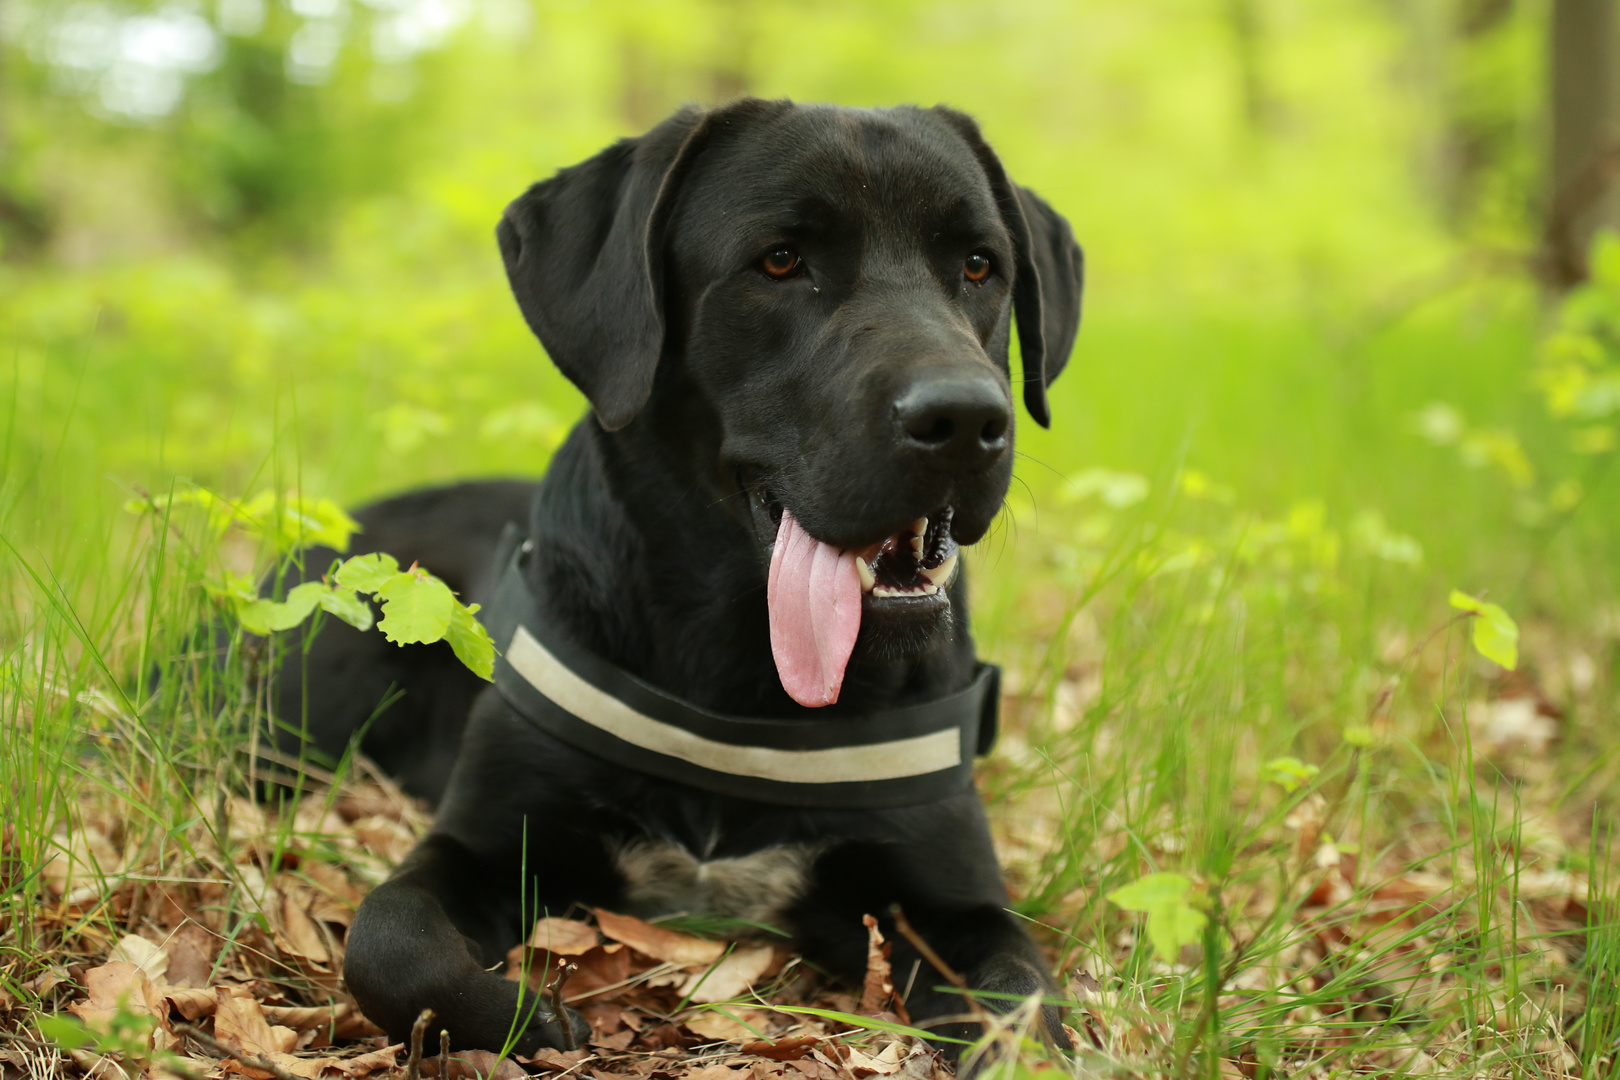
{"type": "Point", "coordinates": [976, 268]}
{"type": "Point", "coordinates": [781, 263]}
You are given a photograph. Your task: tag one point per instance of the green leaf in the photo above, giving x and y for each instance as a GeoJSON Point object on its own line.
{"type": "Point", "coordinates": [328, 524]}
{"type": "Point", "coordinates": [1496, 635]}
{"type": "Point", "coordinates": [366, 573]}
{"type": "Point", "coordinates": [66, 1033]}
{"type": "Point", "coordinates": [220, 511]}
{"type": "Point", "coordinates": [265, 616]}
{"type": "Point", "coordinates": [233, 587]}
{"type": "Point", "coordinates": [1605, 260]}
{"type": "Point", "coordinates": [416, 607]}
{"type": "Point", "coordinates": [347, 606]}
{"type": "Point", "coordinates": [1172, 920]}
{"type": "Point", "coordinates": [1289, 772]}
{"type": "Point", "coordinates": [1359, 735]}
{"type": "Point", "coordinates": [472, 644]}
{"type": "Point", "coordinates": [294, 521]}
{"type": "Point", "coordinates": [301, 600]}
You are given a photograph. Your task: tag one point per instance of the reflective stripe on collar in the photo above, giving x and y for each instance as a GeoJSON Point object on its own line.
{"type": "Point", "coordinates": [894, 757]}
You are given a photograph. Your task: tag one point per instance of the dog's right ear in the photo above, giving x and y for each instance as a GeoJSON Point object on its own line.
{"type": "Point", "coordinates": [584, 253]}
{"type": "Point", "coordinates": [1049, 274]}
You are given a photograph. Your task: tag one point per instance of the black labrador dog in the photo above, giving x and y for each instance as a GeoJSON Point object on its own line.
{"type": "Point", "coordinates": [792, 324]}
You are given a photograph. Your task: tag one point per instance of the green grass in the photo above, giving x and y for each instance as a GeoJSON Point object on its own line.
{"type": "Point", "coordinates": [1421, 892]}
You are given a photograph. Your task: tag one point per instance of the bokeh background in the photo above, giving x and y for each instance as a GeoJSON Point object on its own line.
{"type": "Point", "coordinates": [233, 226]}
{"type": "Point", "coordinates": [1351, 341]}
{"type": "Point", "coordinates": [246, 239]}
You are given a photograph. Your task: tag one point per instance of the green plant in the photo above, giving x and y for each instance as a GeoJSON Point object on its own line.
{"type": "Point", "coordinates": [417, 607]}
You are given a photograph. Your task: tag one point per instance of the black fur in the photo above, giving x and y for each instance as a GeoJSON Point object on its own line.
{"type": "Point", "coordinates": [720, 395]}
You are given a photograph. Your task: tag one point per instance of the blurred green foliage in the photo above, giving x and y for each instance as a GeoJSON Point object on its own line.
{"type": "Point", "coordinates": [247, 242]}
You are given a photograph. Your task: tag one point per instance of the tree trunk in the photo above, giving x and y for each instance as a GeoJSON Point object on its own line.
{"type": "Point", "coordinates": [729, 65]}
{"type": "Point", "coordinates": [1584, 162]}
{"type": "Point", "coordinates": [1244, 19]}
{"type": "Point", "coordinates": [24, 224]}
{"type": "Point", "coordinates": [1481, 129]}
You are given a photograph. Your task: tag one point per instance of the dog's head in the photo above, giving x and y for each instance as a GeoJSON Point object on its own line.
{"type": "Point", "coordinates": [820, 300]}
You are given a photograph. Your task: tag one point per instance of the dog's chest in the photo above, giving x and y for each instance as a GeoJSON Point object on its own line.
{"type": "Point", "coordinates": [663, 878]}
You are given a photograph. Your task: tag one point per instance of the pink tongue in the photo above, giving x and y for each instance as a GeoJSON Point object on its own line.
{"type": "Point", "coordinates": [815, 602]}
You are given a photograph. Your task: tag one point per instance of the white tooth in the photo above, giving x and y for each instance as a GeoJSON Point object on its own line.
{"type": "Point", "coordinates": [868, 579]}
{"type": "Point", "coordinates": [941, 574]}
{"type": "Point", "coordinates": [884, 590]}
{"type": "Point", "coordinates": [919, 526]}
{"type": "Point", "coordinates": [916, 545]}
{"type": "Point", "coordinates": [929, 589]}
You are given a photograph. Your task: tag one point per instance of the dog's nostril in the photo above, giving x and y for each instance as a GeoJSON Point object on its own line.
{"type": "Point", "coordinates": [959, 421]}
{"type": "Point", "coordinates": [939, 431]}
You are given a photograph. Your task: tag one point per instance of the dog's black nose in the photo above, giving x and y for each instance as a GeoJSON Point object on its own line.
{"type": "Point", "coordinates": [957, 421]}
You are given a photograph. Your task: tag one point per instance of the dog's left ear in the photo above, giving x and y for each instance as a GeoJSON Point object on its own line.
{"type": "Point", "coordinates": [584, 252]}
{"type": "Point", "coordinates": [1048, 279]}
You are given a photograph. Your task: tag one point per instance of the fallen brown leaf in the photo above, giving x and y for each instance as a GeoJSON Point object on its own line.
{"type": "Point", "coordinates": [789, 1048]}
{"type": "Point", "coordinates": [240, 1024]}
{"type": "Point", "coordinates": [716, 1072]}
{"type": "Point", "coordinates": [877, 991]}
{"type": "Point", "coordinates": [308, 1018]}
{"type": "Point", "coordinates": [813, 1069]}
{"type": "Point", "coordinates": [557, 1060]}
{"type": "Point", "coordinates": [475, 1065]}
{"type": "Point", "coordinates": [658, 942]}
{"type": "Point", "coordinates": [385, 836]}
{"type": "Point", "coordinates": [604, 966]}
{"type": "Point", "coordinates": [741, 1025]}
{"type": "Point", "coordinates": [563, 937]}
{"type": "Point", "coordinates": [852, 1062]}
{"type": "Point", "coordinates": [731, 977]}
{"type": "Point", "coordinates": [190, 1002]}
{"type": "Point", "coordinates": [113, 986]}
{"type": "Point", "coordinates": [315, 1068]}
{"type": "Point", "coordinates": [149, 956]}
{"type": "Point", "coordinates": [301, 936]}
{"type": "Point", "coordinates": [191, 950]}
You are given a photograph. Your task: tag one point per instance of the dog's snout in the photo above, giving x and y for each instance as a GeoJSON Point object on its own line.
{"type": "Point", "coordinates": [957, 421]}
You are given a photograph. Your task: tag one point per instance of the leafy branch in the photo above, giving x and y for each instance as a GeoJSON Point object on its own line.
{"type": "Point", "coordinates": [417, 607]}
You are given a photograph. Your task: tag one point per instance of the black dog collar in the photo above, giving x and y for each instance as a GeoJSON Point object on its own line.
{"type": "Point", "coordinates": [895, 757]}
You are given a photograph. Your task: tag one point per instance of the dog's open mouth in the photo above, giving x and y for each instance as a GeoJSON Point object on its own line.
{"type": "Point", "coordinates": [916, 561]}
{"type": "Point", "coordinates": [818, 594]}
{"type": "Point", "coordinates": [919, 560]}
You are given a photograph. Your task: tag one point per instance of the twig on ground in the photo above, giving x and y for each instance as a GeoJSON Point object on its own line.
{"type": "Point", "coordinates": [413, 1064]}
{"type": "Point", "coordinates": [560, 1011]}
{"type": "Point", "coordinates": [444, 1053]}
{"type": "Point", "coordinates": [199, 1035]}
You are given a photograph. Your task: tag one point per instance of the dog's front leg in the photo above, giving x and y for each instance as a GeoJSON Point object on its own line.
{"type": "Point", "coordinates": [937, 863]}
{"type": "Point", "coordinates": [987, 949]}
{"type": "Point", "coordinates": [435, 935]}
{"type": "Point", "coordinates": [422, 940]}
